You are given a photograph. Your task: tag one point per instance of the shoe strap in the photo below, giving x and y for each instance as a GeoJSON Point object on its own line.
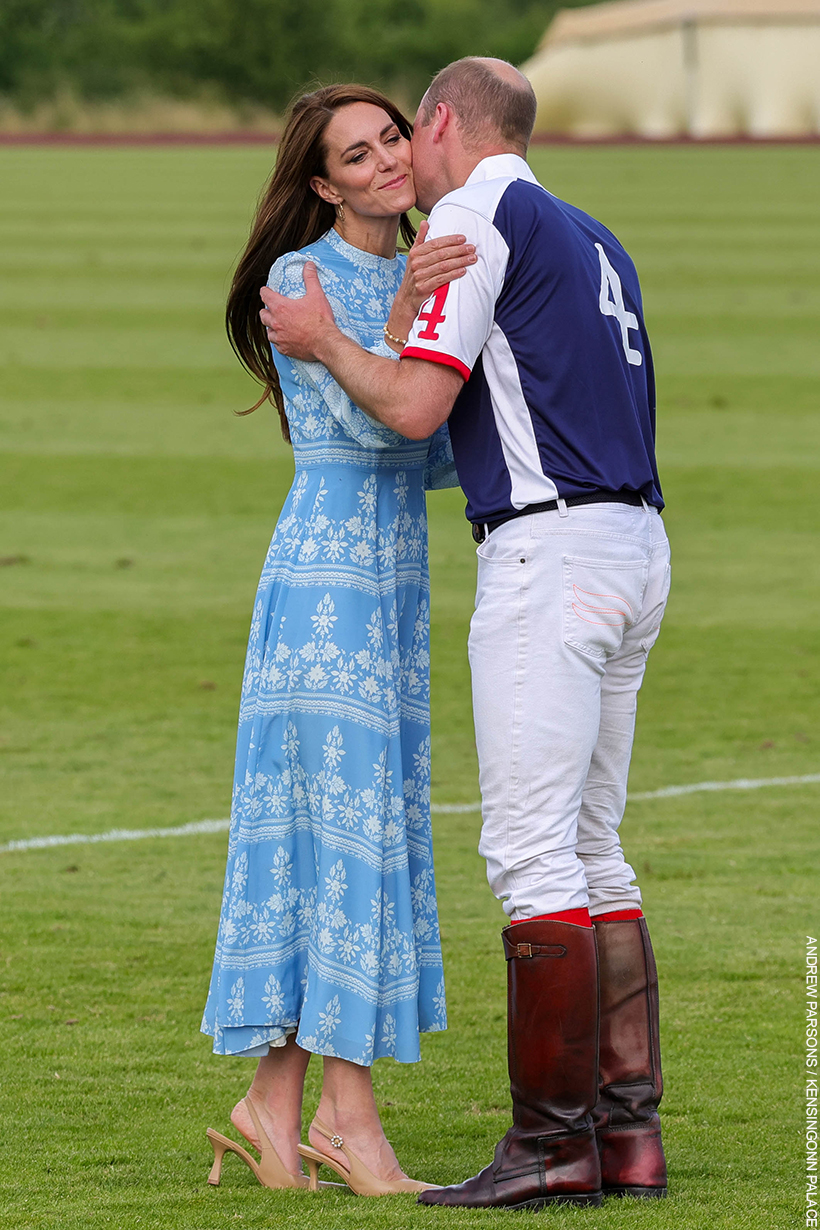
{"type": "Point", "coordinates": [262, 1136]}
{"type": "Point", "coordinates": [360, 1178]}
{"type": "Point", "coordinates": [335, 1139]}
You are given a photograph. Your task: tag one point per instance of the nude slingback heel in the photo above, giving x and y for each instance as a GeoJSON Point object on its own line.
{"type": "Point", "coordinates": [269, 1169]}
{"type": "Point", "coordinates": [355, 1174]}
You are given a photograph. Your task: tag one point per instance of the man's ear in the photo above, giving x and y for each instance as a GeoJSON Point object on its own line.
{"type": "Point", "coordinates": [441, 122]}
{"type": "Point", "coordinates": [323, 189]}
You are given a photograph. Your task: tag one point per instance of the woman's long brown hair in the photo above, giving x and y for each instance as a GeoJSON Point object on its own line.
{"type": "Point", "coordinates": [290, 216]}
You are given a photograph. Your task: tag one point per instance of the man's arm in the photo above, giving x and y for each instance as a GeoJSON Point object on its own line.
{"type": "Point", "coordinates": [413, 397]}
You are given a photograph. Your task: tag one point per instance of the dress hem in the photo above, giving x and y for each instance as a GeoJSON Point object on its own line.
{"type": "Point", "coordinates": [318, 1048]}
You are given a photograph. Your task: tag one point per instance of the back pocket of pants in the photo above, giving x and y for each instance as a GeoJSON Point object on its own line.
{"type": "Point", "coordinates": [602, 599]}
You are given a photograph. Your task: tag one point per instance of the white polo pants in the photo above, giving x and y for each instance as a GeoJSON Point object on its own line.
{"type": "Point", "coordinates": [567, 609]}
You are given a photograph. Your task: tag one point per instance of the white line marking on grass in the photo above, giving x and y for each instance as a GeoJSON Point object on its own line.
{"type": "Point", "coordinates": [84, 839]}
{"type": "Point", "coordinates": [669, 792]}
{"type": "Point", "coordinates": [740, 783]}
{"type": "Point", "coordinates": [454, 809]}
{"type": "Point", "coordinates": [219, 826]}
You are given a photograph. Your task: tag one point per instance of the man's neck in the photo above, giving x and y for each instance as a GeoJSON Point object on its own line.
{"type": "Point", "coordinates": [461, 168]}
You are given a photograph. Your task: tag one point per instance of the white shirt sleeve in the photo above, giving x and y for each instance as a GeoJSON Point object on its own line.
{"type": "Point", "coordinates": [453, 326]}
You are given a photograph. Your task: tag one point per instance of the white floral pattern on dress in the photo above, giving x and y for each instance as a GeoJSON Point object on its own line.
{"type": "Point", "coordinates": [329, 916]}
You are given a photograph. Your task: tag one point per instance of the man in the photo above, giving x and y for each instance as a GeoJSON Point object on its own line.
{"type": "Point", "coordinates": [539, 358]}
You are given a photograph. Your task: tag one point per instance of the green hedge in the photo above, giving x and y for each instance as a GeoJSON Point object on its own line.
{"type": "Point", "coordinates": [257, 51]}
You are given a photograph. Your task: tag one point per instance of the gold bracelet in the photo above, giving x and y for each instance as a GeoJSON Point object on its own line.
{"type": "Point", "coordinates": [398, 340]}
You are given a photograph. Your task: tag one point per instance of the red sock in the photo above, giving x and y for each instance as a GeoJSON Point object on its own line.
{"type": "Point", "coordinates": [619, 915]}
{"type": "Point", "coordinates": [580, 918]}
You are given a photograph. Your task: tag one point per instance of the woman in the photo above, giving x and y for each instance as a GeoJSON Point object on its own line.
{"type": "Point", "coordinates": [328, 940]}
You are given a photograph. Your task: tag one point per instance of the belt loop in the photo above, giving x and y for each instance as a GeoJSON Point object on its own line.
{"type": "Point", "coordinates": [645, 505]}
{"type": "Point", "coordinates": [562, 507]}
{"type": "Point", "coordinates": [486, 531]}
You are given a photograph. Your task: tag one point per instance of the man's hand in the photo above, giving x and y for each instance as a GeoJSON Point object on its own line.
{"type": "Point", "coordinates": [432, 263]}
{"type": "Point", "coordinates": [299, 328]}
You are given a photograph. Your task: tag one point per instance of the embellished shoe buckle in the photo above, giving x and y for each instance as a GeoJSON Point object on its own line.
{"type": "Point", "coordinates": [336, 1141]}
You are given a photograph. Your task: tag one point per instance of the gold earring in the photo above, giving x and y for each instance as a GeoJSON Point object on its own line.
{"type": "Point", "coordinates": [340, 210]}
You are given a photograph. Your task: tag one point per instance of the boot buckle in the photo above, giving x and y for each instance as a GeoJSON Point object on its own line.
{"type": "Point", "coordinates": [537, 950]}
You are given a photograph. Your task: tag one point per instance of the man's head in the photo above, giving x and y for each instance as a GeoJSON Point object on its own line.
{"type": "Point", "coordinates": [474, 107]}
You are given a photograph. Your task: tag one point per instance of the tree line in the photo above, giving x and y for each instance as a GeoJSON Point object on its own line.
{"type": "Point", "coordinates": [250, 51]}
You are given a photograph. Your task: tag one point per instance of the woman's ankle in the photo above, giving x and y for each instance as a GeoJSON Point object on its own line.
{"type": "Point", "coordinates": [358, 1115]}
{"type": "Point", "coordinates": [278, 1130]}
{"type": "Point", "coordinates": [359, 1128]}
{"type": "Point", "coordinates": [274, 1110]}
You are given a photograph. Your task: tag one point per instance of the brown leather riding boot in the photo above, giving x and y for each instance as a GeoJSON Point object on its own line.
{"type": "Point", "coordinates": [549, 1155]}
{"type": "Point", "coordinates": [626, 1116]}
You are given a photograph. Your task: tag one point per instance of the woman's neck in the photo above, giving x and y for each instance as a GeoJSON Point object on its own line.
{"type": "Point", "coordinates": [374, 235]}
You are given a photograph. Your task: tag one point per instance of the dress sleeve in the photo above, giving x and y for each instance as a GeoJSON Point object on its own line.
{"type": "Point", "coordinates": [440, 469]}
{"type": "Point", "coordinates": [286, 278]}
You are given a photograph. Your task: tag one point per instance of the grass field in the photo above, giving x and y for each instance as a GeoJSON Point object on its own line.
{"type": "Point", "coordinates": [134, 517]}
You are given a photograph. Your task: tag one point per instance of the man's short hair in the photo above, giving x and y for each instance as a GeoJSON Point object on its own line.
{"type": "Point", "coordinates": [488, 106]}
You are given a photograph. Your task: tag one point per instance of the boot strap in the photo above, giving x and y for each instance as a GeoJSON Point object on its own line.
{"type": "Point", "coordinates": [533, 950]}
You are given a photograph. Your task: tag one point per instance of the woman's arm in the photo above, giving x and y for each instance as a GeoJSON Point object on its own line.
{"type": "Point", "coordinates": [440, 468]}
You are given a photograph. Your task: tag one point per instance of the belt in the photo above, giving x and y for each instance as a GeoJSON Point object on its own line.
{"type": "Point", "coordinates": [482, 528]}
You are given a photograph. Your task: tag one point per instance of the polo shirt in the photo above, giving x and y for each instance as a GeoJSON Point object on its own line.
{"type": "Point", "coordinates": [547, 330]}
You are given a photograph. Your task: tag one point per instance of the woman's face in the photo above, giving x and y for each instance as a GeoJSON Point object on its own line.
{"type": "Point", "coordinates": [369, 167]}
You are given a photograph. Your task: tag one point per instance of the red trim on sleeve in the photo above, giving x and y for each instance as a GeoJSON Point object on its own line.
{"type": "Point", "coordinates": [434, 356]}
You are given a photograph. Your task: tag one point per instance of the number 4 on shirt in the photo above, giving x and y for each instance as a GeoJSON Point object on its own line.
{"type": "Point", "coordinates": [434, 314]}
{"type": "Point", "coordinates": [611, 303]}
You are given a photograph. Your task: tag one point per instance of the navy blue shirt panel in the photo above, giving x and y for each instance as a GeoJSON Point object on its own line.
{"type": "Point", "coordinates": [592, 411]}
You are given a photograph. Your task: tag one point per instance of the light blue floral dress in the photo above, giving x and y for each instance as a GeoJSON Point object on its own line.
{"type": "Point", "coordinates": [329, 925]}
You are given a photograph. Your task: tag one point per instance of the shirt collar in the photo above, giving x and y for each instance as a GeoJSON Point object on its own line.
{"type": "Point", "coordinates": [502, 166]}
